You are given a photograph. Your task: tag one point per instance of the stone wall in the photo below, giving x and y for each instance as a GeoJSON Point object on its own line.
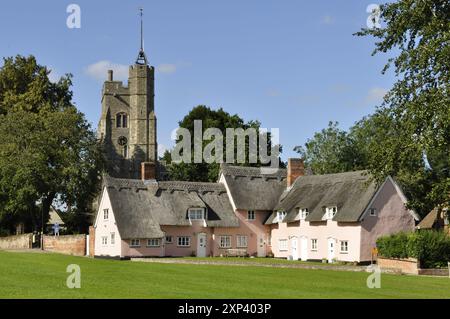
{"type": "Point", "coordinates": [23, 241]}
{"type": "Point", "coordinates": [70, 244]}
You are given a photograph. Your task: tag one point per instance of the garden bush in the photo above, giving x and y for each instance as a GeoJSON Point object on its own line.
{"type": "Point", "coordinates": [430, 248]}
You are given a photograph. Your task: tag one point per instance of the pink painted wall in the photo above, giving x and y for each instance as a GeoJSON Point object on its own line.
{"type": "Point", "coordinates": [392, 217]}
{"type": "Point", "coordinates": [141, 251]}
{"type": "Point", "coordinates": [321, 231]}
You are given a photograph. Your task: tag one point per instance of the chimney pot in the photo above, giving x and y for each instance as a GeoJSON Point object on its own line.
{"type": "Point", "coordinates": [295, 169]}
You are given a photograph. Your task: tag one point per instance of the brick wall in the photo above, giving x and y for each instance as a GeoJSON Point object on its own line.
{"type": "Point", "coordinates": [70, 244]}
{"type": "Point", "coordinates": [23, 241]}
{"type": "Point", "coordinates": [406, 266]}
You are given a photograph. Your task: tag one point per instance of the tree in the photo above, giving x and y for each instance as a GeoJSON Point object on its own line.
{"type": "Point", "coordinates": [331, 150]}
{"type": "Point", "coordinates": [418, 103]}
{"type": "Point", "coordinates": [210, 119]}
{"type": "Point", "coordinates": [48, 152]}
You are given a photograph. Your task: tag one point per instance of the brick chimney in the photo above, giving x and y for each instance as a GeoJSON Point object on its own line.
{"type": "Point", "coordinates": [295, 169]}
{"type": "Point", "coordinates": [148, 171]}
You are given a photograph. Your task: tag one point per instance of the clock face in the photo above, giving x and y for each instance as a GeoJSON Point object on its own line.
{"type": "Point", "coordinates": [122, 140]}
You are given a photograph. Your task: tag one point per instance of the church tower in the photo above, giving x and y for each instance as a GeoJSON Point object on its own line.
{"type": "Point", "coordinates": [127, 125]}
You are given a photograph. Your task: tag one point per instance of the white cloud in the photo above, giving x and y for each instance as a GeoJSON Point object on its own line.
{"type": "Point", "coordinates": [327, 19]}
{"type": "Point", "coordinates": [53, 76]}
{"type": "Point", "coordinates": [99, 70]}
{"type": "Point", "coordinates": [161, 149]}
{"type": "Point", "coordinates": [167, 68]}
{"type": "Point", "coordinates": [375, 95]}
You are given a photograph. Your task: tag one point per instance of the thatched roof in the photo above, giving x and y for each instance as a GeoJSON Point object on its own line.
{"type": "Point", "coordinates": [254, 188]}
{"type": "Point", "coordinates": [351, 192]}
{"type": "Point", "coordinates": [141, 207]}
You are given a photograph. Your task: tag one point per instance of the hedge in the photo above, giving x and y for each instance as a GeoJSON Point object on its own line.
{"type": "Point", "coordinates": [430, 248]}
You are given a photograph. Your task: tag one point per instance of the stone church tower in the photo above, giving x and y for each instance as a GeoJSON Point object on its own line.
{"type": "Point", "coordinates": [127, 126]}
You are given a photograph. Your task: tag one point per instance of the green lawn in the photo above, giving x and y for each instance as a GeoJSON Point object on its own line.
{"type": "Point", "coordinates": [35, 275]}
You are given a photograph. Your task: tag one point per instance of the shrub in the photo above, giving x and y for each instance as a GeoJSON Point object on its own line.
{"type": "Point", "coordinates": [393, 246]}
{"type": "Point", "coordinates": [430, 248]}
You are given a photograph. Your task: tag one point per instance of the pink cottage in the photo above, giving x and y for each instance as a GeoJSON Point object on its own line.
{"type": "Point", "coordinates": [247, 212]}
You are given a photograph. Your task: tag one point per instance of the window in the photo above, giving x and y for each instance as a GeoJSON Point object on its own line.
{"type": "Point", "coordinates": [196, 213]}
{"type": "Point", "coordinates": [280, 216]}
{"type": "Point", "coordinates": [330, 212]}
{"type": "Point", "coordinates": [225, 242]}
{"type": "Point", "coordinates": [104, 240]}
{"type": "Point", "coordinates": [113, 238]}
{"type": "Point", "coordinates": [184, 241]}
{"type": "Point", "coordinates": [169, 240]}
{"type": "Point", "coordinates": [303, 212]}
{"type": "Point", "coordinates": [105, 214]}
{"type": "Point", "coordinates": [153, 242]}
{"type": "Point", "coordinates": [344, 246]}
{"type": "Point", "coordinates": [123, 143]}
{"type": "Point", "coordinates": [135, 243]}
{"type": "Point", "coordinates": [282, 245]}
{"type": "Point", "coordinates": [373, 212]}
{"type": "Point", "coordinates": [314, 244]}
{"type": "Point", "coordinates": [251, 215]}
{"type": "Point", "coordinates": [122, 120]}
{"type": "Point", "coordinates": [241, 241]}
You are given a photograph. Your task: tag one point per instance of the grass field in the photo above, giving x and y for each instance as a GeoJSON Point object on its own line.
{"type": "Point", "coordinates": [43, 275]}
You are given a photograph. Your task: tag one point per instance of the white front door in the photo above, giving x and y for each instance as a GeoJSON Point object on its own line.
{"type": "Point", "coordinates": [294, 247]}
{"type": "Point", "coordinates": [331, 249]}
{"type": "Point", "coordinates": [260, 246]}
{"type": "Point", "coordinates": [201, 245]}
{"type": "Point", "coordinates": [304, 248]}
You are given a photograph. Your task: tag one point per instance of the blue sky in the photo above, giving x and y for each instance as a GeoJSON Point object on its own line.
{"type": "Point", "coordinates": [293, 65]}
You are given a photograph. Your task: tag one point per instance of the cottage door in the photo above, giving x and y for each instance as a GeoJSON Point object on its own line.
{"type": "Point", "coordinates": [331, 249]}
{"type": "Point", "coordinates": [294, 247]}
{"type": "Point", "coordinates": [304, 248]}
{"type": "Point", "coordinates": [201, 245]}
{"type": "Point", "coordinates": [260, 246]}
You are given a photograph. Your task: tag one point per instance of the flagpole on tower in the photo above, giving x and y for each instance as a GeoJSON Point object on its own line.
{"type": "Point", "coordinates": [142, 59]}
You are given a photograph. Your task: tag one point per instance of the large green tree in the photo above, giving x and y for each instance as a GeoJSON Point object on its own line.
{"type": "Point", "coordinates": [220, 119]}
{"type": "Point", "coordinates": [48, 152]}
{"type": "Point", "coordinates": [417, 33]}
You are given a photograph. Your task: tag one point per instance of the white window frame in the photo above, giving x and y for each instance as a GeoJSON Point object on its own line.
{"type": "Point", "coordinates": [283, 245]}
{"type": "Point", "coordinates": [168, 241]}
{"type": "Point", "coordinates": [104, 240]}
{"type": "Point", "coordinates": [303, 213]}
{"type": "Point", "coordinates": [183, 241]}
{"type": "Point", "coordinates": [330, 213]}
{"type": "Point", "coordinates": [113, 238]}
{"type": "Point", "coordinates": [314, 242]}
{"type": "Point", "coordinates": [280, 216]}
{"type": "Point", "coordinates": [344, 251]}
{"type": "Point", "coordinates": [251, 215]}
{"type": "Point", "coordinates": [225, 241]}
{"type": "Point", "coordinates": [241, 241]}
{"type": "Point", "coordinates": [372, 211]}
{"type": "Point", "coordinates": [197, 212]}
{"type": "Point", "coordinates": [135, 242]}
{"type": "Point", "coordinates": [105, 214]}
{"type": "Point", "coordinates": [153, 242]}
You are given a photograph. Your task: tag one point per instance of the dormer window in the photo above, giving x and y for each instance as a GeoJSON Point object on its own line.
{"type": "Point", "coordinates": [303, 212]}
{"type": "Point", "coordinates": [330, 212]}
{"type": "Point", "coordinates": [122, 120]}
{"type": "Point", "coordinates": [280, 216]}
{"type": "Point", "coordinates": [196, 213]}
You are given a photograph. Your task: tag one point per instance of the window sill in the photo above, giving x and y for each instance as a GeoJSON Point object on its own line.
{"type": "Point", "coordinates": [135, 246]}
{"type": "Point", "coordinates": [152, 246]}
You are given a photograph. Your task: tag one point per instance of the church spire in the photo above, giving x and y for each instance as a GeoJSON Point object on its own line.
{"type": "Point", "coordinates": [142, 59]}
